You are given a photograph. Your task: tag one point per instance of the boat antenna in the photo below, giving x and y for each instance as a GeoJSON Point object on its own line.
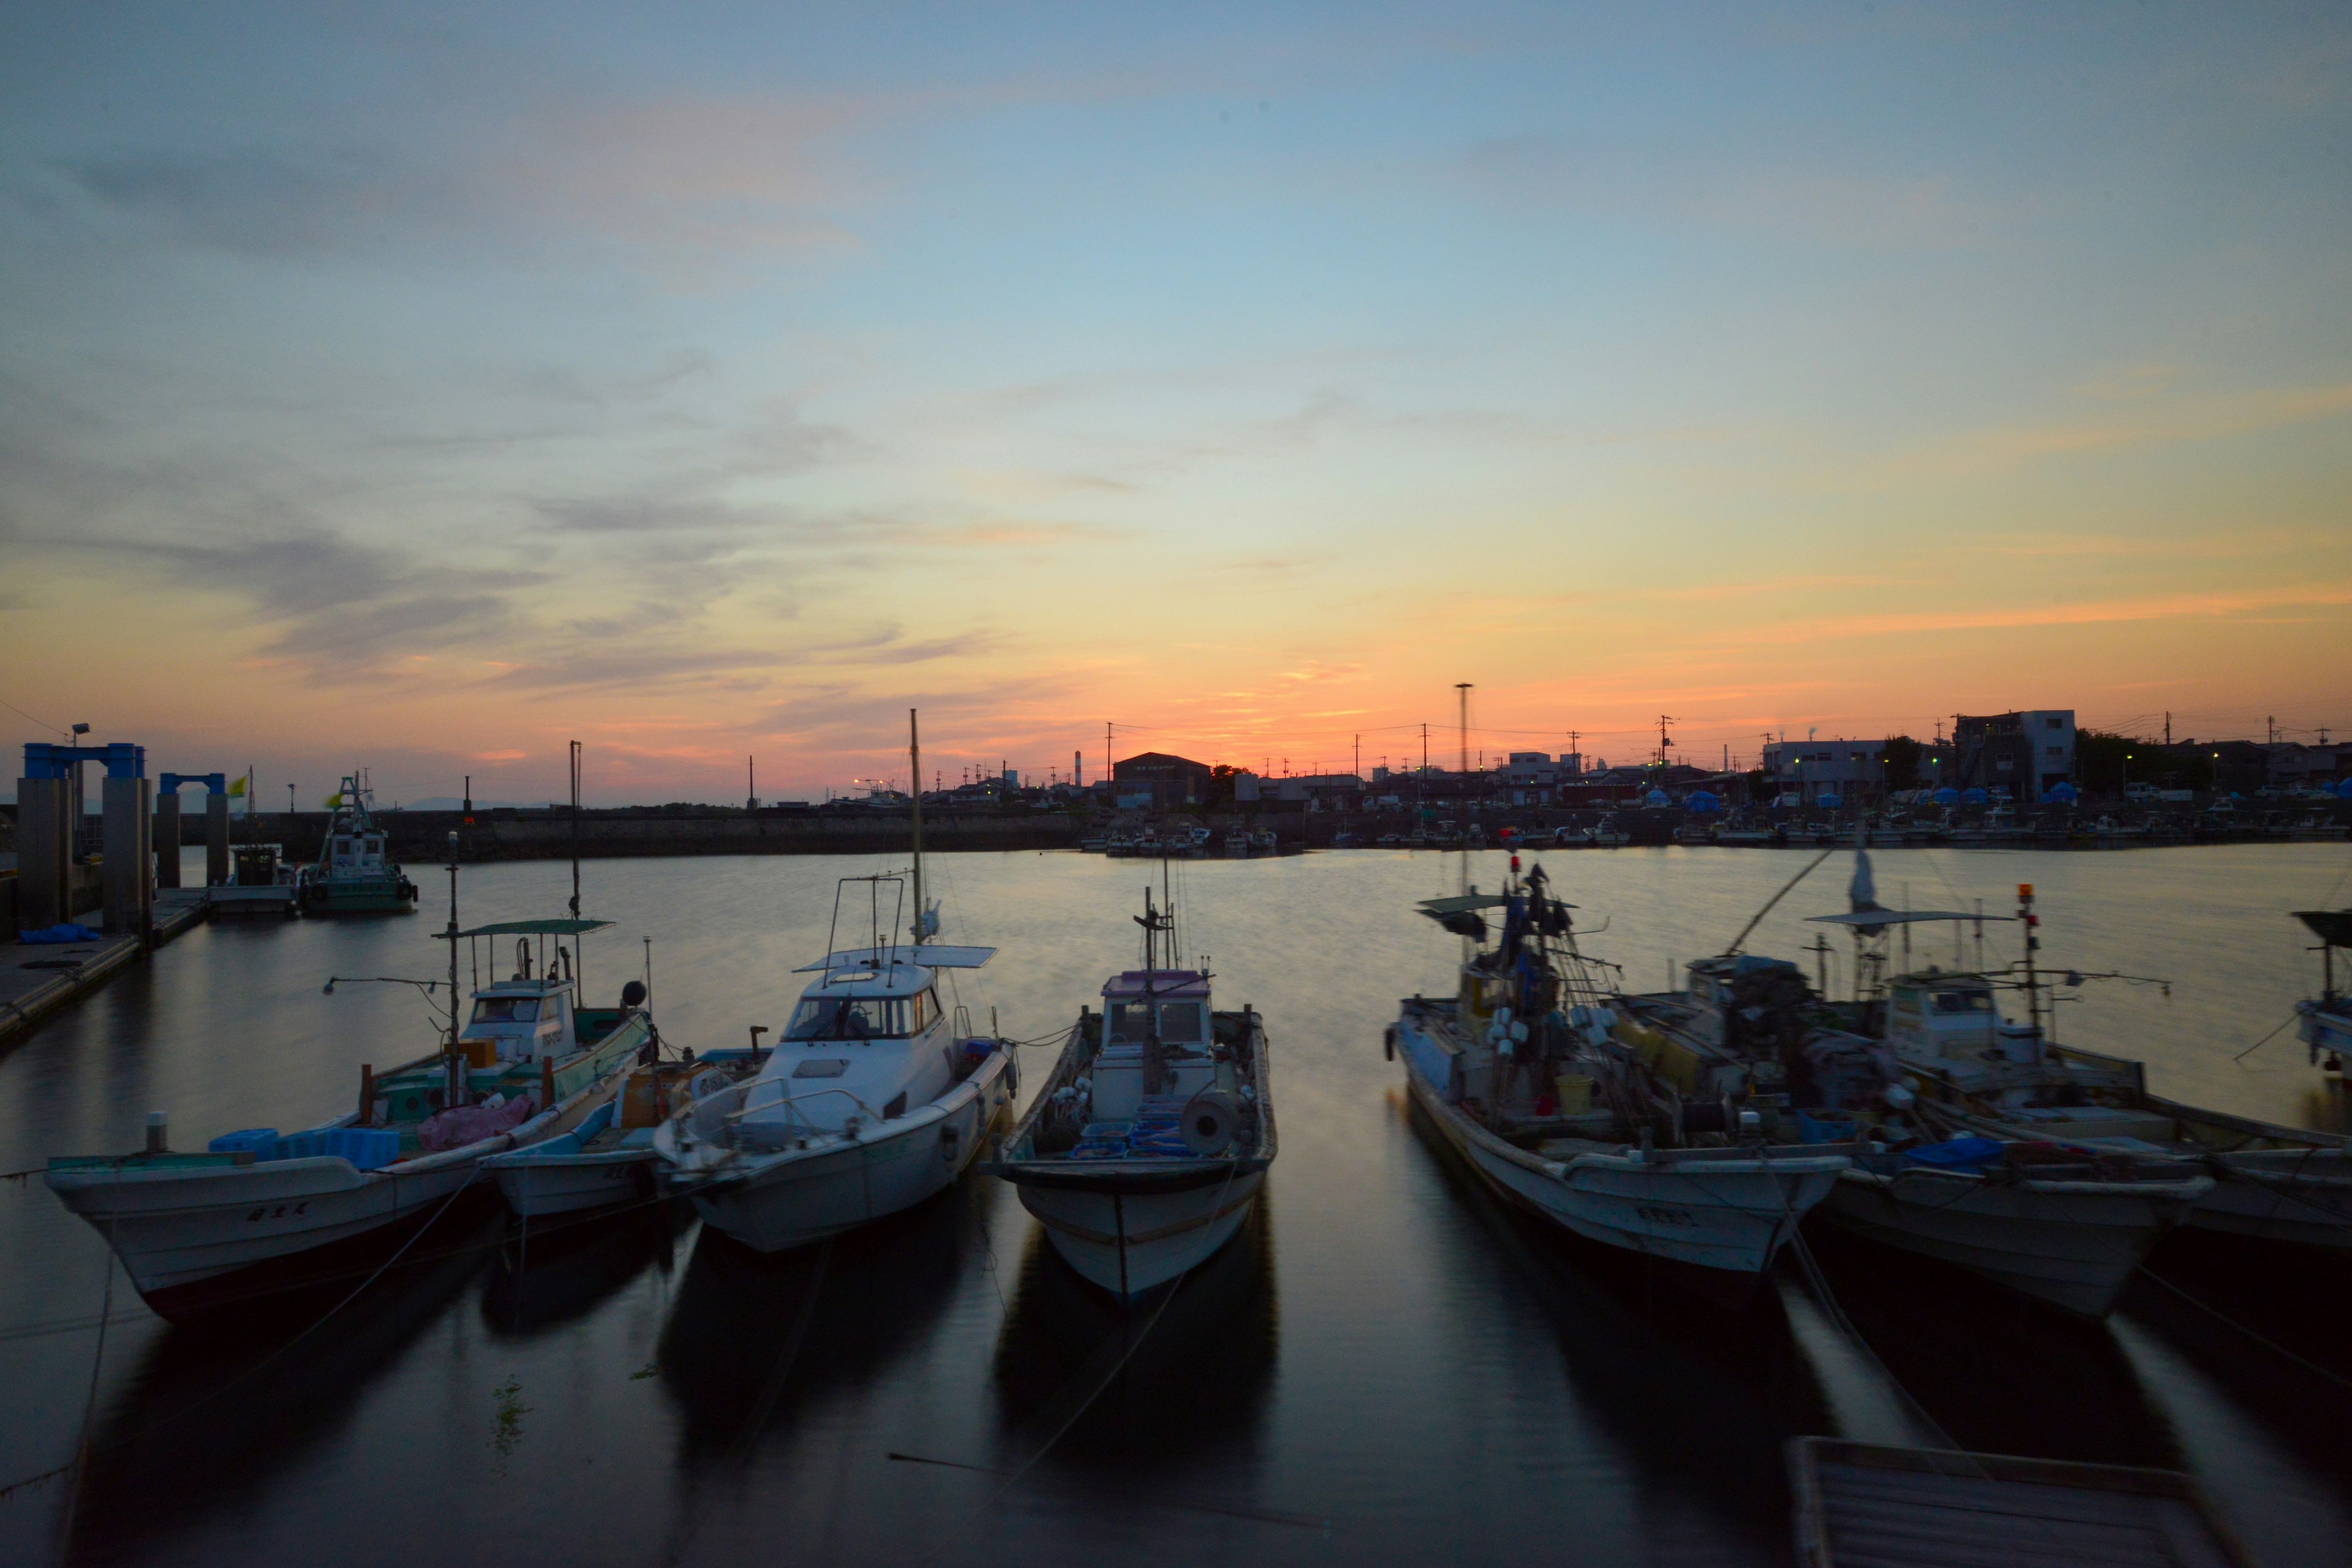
{"type": "Point", "coordinates": [1775, 898]}
{"type": "Point", "coordinates": [915, 760]}
{"type": "Point", "coordinates": [576, 830]}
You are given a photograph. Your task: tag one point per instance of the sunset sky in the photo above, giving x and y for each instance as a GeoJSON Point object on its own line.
{"type": "Point", "coordinates": [429, 389]}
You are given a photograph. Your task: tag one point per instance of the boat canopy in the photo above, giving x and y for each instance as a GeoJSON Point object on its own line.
{"type": "Point", "coordinates": [533, 928]}
{"type": "Point", "coordinates": [1438, 909]}
{"type": "Point", "coordinates": [2332, 927]}
{"type": "Point", "coordinates": [929, 955]}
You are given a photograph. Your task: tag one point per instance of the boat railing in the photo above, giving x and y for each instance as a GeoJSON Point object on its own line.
{"type": "Point", "coordinates": [792, 1104]}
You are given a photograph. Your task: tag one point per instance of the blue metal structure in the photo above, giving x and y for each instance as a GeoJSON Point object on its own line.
{"type": "Point", "coordinates": [170, 784]}
{"type": "Point", "coordinates": [48, 759]}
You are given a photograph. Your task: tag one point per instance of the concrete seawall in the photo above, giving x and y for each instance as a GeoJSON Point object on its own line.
{"type": "Point", "coordinates": [420, 838]}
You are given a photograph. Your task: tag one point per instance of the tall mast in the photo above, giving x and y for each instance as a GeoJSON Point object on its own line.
{"type": "Point", "coordinates": [576, 830]}
{"type": "Point", "coordinates": [457, 1062]}
{"type": "Point", "coordinates": [915, 760]}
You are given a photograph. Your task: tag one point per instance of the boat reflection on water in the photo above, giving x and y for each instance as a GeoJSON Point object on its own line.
{"type": "Point", "coordinates": [2002, 1372]}
{"type": "Point", "coordinates": [1698, 1389]}
{"type": "Point", "coordinates": [204, 1427]}
{"type": "Point", "coordinates": [756, 1334]}
{"type": "Point", "coordinates": [554, 1273]}
{"type": "Point", "coordinates": [1163, 1377]}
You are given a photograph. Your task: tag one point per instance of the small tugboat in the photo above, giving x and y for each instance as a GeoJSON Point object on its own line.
{"type": "Point", "coordinates": [877, 1097]}
{"type": "Point", "coordinates": [256, 1210]}
{"type": "Point", "coordinates": [353, 874]}
{"type": "Point", "coordinates": [1143, 1152]}
{"type": "Point", "coordinates": [1507, 1067]}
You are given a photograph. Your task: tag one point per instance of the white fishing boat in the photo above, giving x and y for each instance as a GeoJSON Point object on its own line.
{"type": "Point", "coordinates": [877, 1097]}
{"type": "Point", "coordinates": [257, 1211]}
{"type": "Point", "coordinates": [1143, 1152]}
{"type": "Point", "coordinates": [1506, 1068]}
{"type": "Point", "coordinates": [2325, 1021]}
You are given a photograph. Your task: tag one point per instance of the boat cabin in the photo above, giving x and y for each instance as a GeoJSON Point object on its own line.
{"type": "Point", "coordinates": [355, 854]}
{"type": "Point", "coordinates": [868, 1039]}
{"type": "Point", "coordinates": [524, 1019]}
{"type": "Point", "coordinates": [1948, 1016]}
{"type": "Point", "coordinates": [1169, 1006]}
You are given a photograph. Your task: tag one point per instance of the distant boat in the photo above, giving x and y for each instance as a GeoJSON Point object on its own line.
{"type": "Point", "coordinates": [354, 875]}
{"type": "Point", "coordinates": [1143, 1152]}
{"type": "Point", "coordinates": [2326, 1019]}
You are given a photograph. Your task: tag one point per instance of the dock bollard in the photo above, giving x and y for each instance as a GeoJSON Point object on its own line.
{"type": "Point", "coordinates": [158, 1126]}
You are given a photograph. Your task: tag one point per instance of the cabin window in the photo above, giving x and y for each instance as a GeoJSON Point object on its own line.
{"type": "Point", "coordinates": [822, 1067]}
{"type": "Point", "coordinates": [1180, 1021]}
{"type": "Point", "coordinates": [506, 1010]}
{"type": "Point", "coordinates": [1130, 1021]}
{"type": "Point", "coordinates": [1963, 1001]}
{"type": "Point", "coordinates": [847, 1018]}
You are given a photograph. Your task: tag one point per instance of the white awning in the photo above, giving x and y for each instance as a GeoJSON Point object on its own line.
{"type": "Point", "coordinates": [930, 955]}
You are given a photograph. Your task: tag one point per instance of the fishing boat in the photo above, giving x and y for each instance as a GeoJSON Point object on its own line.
{"type": "Point", "coordinates": [1985, 1074]}
{"type": "Point", "coordinates": [256, 1210]}
{"type": "Point", "coordinates": [1143, 1152]}
{"type": "Point", "coordinates": [607, 1157]}
{"type": "Point", "coordinates": [1506, 1068]}
{"type": "Point", "coordinates": [2051, 1214]}
{"type": "Point", "coordinates": [353, 876]}
{"type": "Point", "coordinates": [877, 1097]}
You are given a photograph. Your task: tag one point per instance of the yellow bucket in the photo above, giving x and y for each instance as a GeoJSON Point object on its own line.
{"type": "Point", "coordinates": [1574, 1090]}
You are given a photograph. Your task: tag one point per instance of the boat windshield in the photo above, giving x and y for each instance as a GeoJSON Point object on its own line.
{"type": "Point", "coordinates": [1179, 1022]}
{"type": "Point", "coordinates": [506, 1009]}
{"type": "Point", "coordinates": [1963, 1001]}
{"type": "Point", "coordinates": [848, 1018]}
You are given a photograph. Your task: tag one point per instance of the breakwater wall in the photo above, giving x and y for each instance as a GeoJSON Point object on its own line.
{"type": "Point", "coordinates": [420, 837]}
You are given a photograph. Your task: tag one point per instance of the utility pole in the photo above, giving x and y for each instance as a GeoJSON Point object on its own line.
{"type": "Point", "coordinates": [751, 782]}
{"type": "Point", "coordinates": [1424, 751]}
{"type": "Point", "coordinates": [1464, 688]}
{"type": "Point", "coordinates": [1359, 756]}
{"type": "Point", "coordinates": [2167, 728]}
{"type": "Point", "coordinates": [1664, 740]}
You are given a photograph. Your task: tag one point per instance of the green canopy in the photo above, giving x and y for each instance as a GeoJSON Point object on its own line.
{"type": "Point", "coordinates": [533, 928]}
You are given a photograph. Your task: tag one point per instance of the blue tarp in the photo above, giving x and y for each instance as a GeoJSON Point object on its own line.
{"type": "Point", "coordinates": [1957, 1151]}
{"type": "Point", "coordinates": [1828, 802]}
{"type": "Point", "coordinates": [1948, 796]}
{"type": "Point", "coordinates": [1701, 801]}
{"type": "Point", "coordinates": [2058, 795]}
{"type": "Point", "coordinates": [1973, 796]}
{"type": "Point", "coordinates": [1657, 798]}
{"type": "Point", "coordinates": [66, 933]}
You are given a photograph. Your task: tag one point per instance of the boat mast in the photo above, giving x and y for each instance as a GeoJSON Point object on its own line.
{"type": "Point", "coordinates": [457, 1062]}
{"type": "Point", "coordinates": [576, 830]}
{"type": "Point", "coordinates": [915, 760]}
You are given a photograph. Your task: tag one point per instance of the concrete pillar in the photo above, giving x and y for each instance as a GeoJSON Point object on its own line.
{"type": "Point", "coordinates": [215, 841]}
{"type": "Point", "coordinates": [128, 855]}
{"type": "Point", "coordinates": [43, 851]}
{"type": "Point", "coordinates": [167, 841]}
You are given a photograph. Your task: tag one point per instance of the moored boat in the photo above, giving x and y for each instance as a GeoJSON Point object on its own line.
{"type": "Point", "coordinates": [1506, 1068]}
{"type": "Point", "coordinates": [256, 1210]}
{"type": "Point", "coordinates": [353, 874]}
{"type": "Point", "coordinates": [1143, 1152]}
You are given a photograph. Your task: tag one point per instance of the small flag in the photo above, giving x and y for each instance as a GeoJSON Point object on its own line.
{"type": "Point", "coordinates": [334, 800]}
{"type": "Point", "coordinates": [236, 788]}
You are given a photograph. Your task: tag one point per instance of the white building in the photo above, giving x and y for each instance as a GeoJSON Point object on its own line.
{"type": "Point", "coordinates": [1834, 765]}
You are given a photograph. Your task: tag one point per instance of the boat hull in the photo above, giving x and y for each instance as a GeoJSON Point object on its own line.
{"type": "Point", "coordinates": [536, 1187]}
{"type": "Point", "coordinates": [1129, 1231]}
{"type": "Point", "coordinates": [2301, 1198]}
{"type": "Point", "coordinates": [2075, 1244]}
{"type": "Point", "coordinates": [777, 1202]}
{"type": "Point", "coordinates": [1733, 1215]}
{"type": "Point", "coordinates": [193, 1238]}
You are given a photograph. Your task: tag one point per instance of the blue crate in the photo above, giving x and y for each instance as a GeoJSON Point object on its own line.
{"type": "Point", "coordinates": [367, 1148]}
{"type": "Point", "coordinates": [1824, 1127]}
{"type": "Point", "coordinates": [302, 1145]}
{"type": "Point", "coordinates": [261, 1143]}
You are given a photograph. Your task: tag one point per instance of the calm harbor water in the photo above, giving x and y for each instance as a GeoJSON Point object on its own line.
{"type": "Point", "coordinates": [1386, 1367]}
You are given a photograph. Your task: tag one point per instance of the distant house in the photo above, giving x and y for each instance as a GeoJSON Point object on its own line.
{"type": "Point", "coordinates": [1155, 781]}
{"type": "Point", "coordinates": [1812, 766]}
{"type": "Point", "coordinates": [2018, 755]}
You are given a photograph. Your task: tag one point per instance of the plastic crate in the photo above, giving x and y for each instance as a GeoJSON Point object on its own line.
{"type": "Point", "coordinates": [261, 1143]}
{"type": "Point", "coordinates": [302, 1145]}
{"type": "Point", "coordinates": [367, 1148]}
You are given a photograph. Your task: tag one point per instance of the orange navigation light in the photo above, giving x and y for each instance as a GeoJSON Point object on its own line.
{"type": "Point", "coordinates": [2025, 889]}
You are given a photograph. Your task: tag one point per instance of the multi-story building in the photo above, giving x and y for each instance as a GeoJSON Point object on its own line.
{"type": "Point", "coordinates": [1836, 765]}
{"type": "Point", "coordinates": [2019, 755]}
{"type": "Point", "coordinates": [1156, 781]}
